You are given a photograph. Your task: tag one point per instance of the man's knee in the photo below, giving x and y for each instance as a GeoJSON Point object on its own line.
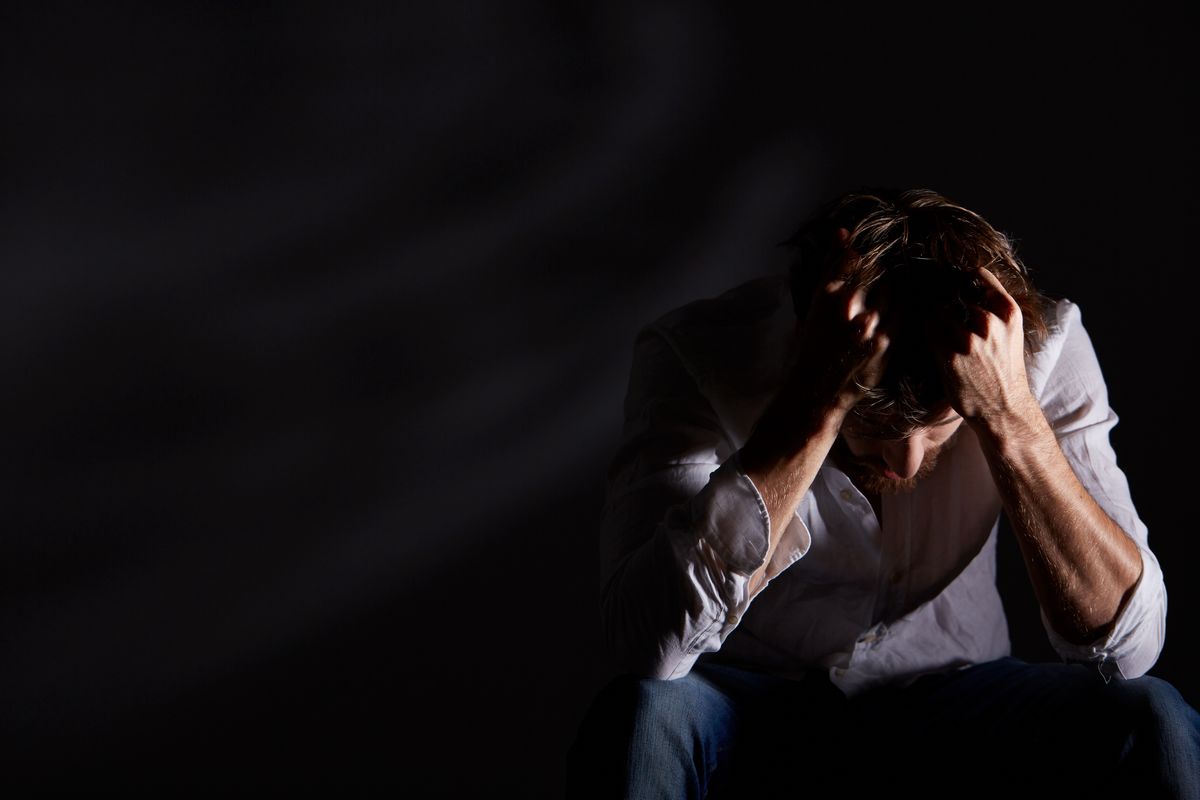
{"type": "Point", "coordinates": [629, 702]}
{"type": "Point", "coordinates": [627, 716]}
{"type": "Point", "coordinates": [1160, 748]}
{"type": "Point", "coordinates": [1151, 703]}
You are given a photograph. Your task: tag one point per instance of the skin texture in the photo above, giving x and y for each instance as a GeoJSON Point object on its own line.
{"type": "Point", "coordinates": [841, 349]}
{"type": "Point", "coordinates": [887, 466]}
{"type": "Point", "coordinates": [1083, 567]}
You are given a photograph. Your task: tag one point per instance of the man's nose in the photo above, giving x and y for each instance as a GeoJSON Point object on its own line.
{"type": "Point", "coordinates": [904, 457]}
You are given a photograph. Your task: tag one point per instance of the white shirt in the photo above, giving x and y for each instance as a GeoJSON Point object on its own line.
{"type": "Point", "coordinates": [684, 527]}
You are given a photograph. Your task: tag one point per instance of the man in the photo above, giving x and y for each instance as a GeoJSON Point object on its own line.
{"type": "Point", "coordinates": [799, 540]}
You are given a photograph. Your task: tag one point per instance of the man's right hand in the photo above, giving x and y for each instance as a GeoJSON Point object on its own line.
{"type": "Point", "coordinates": [842, 346]}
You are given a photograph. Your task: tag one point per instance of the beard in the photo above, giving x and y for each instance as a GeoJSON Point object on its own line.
{"type": "Point", "coordinates": [866, 472]}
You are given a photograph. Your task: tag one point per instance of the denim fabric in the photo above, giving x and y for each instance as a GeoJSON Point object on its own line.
{"type": "Point", "coordinates": [1003, 728]}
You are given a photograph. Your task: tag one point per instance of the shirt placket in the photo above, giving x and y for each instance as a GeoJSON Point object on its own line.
{"type": "Point", "coordinates": [895, 557]}
{"type": "Point", "coordinates": [856, 518]}
{"type": "Point", "coordinates": [893, 538]}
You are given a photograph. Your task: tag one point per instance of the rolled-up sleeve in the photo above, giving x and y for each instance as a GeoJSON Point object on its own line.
{"type": "Point", "coordinates": [1075, 400]}
{"type": "Point", "coordinates": [683, 528]}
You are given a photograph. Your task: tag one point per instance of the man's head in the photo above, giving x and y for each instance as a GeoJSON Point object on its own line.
{"type": "Point", "coordinates": [916, 254]}
{"type": "Point", "coordinates": [889, 465]}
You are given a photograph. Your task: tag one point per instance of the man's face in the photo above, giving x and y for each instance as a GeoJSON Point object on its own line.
{"type": "Point", "coordinates": [879, 465]}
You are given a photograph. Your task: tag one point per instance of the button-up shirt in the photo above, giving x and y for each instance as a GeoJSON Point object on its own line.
{"type": "Point", "coordinates": [869, 599]}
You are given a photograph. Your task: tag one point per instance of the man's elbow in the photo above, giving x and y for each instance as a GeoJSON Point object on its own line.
{"type": "Point", "coordinates": [1140, 660]}
{"type": "Point", "coordinates": [1147, 645]}
{"type": "Point", "coordinates": [640, 652]}
{"type": "Point", "coordinates": [641, 657]}
{"type": "Point", "coordinates": [660, 664]}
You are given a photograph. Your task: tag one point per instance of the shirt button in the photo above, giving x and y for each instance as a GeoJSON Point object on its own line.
{"type": "Point", "coordinates": [732, 619]}
{"type": "Point", "coordinates": [847, 494]}
{"type": "Point", "coordinates": [838, 672]}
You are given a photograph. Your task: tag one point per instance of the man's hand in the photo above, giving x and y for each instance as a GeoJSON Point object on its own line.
{"type": "Point", "coordinates": [984, 366]}
{"type": "Point", "coordinates": [842, 346]}
{"type": "Point", "coordinates": [1082, 565]}
{"type": "Point", "coordinates": [840, 354]}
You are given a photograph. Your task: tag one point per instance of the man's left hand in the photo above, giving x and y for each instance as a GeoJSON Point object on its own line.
{"type": "Point", "coordinates": [984, 366]}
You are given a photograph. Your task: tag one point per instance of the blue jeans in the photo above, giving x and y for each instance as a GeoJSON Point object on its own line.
{"type": "Point", "coordinates": [1004, 728]}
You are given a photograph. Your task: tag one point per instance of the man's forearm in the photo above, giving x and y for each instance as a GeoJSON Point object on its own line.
{"type": "Point", "coordinates": [1082, 565]}
{"type": "Point", "coordinates": [782, 458]}
{"type": "Point", "coordinates": [842, 353]}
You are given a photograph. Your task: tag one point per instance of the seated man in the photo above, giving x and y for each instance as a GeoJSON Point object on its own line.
{"type": "Point", "coordinates": [799, 542]}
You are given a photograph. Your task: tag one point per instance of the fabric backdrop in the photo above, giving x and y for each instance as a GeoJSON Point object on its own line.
{"type": "Point", "coordinates": [317, 321]}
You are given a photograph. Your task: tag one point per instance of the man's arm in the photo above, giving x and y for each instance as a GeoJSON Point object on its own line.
{"type": "Point", "coordinates": [782, 459]}
{"type": "Point", "coordinates": [843, 351]}
{"type": "Point", "coordinates": [687, 547]}
{"type": "Point", "coordinates": [681, 530]}
{"type": "Point", "coordinates": [1084, 567]}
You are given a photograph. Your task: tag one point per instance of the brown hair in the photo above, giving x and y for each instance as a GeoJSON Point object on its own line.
{"type": "Point", "coordinates": [918, 251]}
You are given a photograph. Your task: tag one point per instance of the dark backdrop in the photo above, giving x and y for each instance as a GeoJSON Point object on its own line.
{"type": "Point", "coordinates": [317, 321]}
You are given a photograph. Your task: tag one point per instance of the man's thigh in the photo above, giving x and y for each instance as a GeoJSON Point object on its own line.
{"type": "Point", "coordinates": [722, 726]}
{"type": "Point", "coordinates": [789, 735]}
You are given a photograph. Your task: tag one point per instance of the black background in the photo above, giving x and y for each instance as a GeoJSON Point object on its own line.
{"type": "Point", "coordinates": [317, 322]}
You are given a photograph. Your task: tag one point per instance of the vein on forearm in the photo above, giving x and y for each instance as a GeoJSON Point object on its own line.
{"type": "Point", "coordinates": [1082, 564]}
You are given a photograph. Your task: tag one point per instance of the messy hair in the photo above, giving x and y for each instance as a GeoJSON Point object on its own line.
{"type": "Point", "coordinates": [916, 250]}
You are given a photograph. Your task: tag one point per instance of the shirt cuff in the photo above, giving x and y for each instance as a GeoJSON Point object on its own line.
{"type": "Point", "coordinates": [731, 516]}
{"type": "Point", "coordinates": [1130, 647]}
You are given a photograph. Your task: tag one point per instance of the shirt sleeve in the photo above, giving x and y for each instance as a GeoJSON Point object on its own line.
{"type": "Point", "coordinates": [682, 529]}
{"type": "Point", "coordinates": [1074, 399]}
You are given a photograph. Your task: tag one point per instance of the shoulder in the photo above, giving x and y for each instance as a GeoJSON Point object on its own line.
{"type": "Point", "coordinates": [735, 338]}
{"type": "Point", "coordinates": [1065, 370]}
{"type": "Point", "coordinates": [1064, 322]}
{"type": "Point", "coordinates": [753, 299]}
{"type": "Point", "coordinates": [1062, 316]}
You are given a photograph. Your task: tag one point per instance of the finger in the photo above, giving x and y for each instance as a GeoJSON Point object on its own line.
{"type": "Point", "coordinates": [875, 360]}
{"type": "Point", "coordinates": [828, 299]}
{"type": "Point", "coordinates": [995, 297]}
{"type": "Point", "coordinates": [857, 303]}
{"type": "Point", "coordinates": [866, 324]}
{"type": "Point", "coordinates": [835, 286]}
{"type": "Point", "coordinates": [879, 343]}
{"type": "Point", "coordinates": [872, 323]}
{"type": "Point", "coordinates": [882, 342]}
{"type": "Point", "coordinates": [988, 277]}
{"type": "Point", "coordinates": [976, 321]}
{"type": "Point", "coordinates": [842, 256]}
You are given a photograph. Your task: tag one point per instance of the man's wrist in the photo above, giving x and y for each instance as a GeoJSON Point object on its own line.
{"type": "Point", "coordinates": [786, 429]}
{"type": "Point", "coordinates": [1013, 427]}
